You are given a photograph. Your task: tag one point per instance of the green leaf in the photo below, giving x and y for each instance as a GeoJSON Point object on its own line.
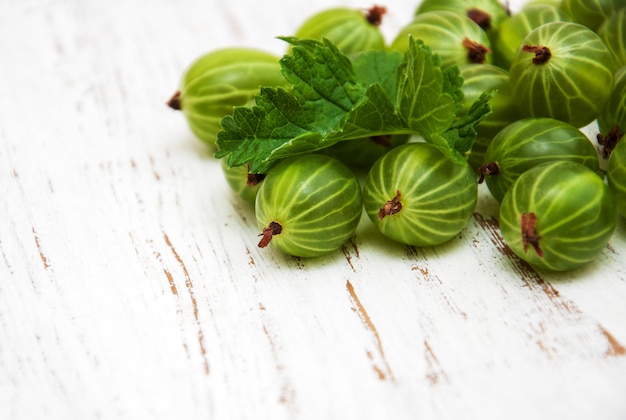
{"type": "Point", "coordinates": [335, 99]}
{"type": "Point", "coordinates": [379, 67]}
{"type": "Point", "coordinates": [461, 134]}
{"type": "Point", "coordinates": [427, 97]}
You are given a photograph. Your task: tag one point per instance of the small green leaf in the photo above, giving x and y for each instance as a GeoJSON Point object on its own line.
{"type": "Point", "coordinates": [426, 98]}
{"type": "Point", "coordinates": [461, 134]}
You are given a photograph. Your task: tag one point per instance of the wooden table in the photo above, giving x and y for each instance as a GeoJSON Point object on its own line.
{"type": "Point", "coordinates": [131, 286]}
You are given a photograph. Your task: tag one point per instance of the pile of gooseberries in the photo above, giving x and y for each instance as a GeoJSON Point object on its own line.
{"type": "Point", "coordinates": [557, 66]}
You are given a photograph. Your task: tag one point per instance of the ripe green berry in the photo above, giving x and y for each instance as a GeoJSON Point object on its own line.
{"type": "Point", "coordinates": [351, 30]}
{"type": "Point", "coordinates": [308, 205]}
{"type": "Point", "coordinates": [514, 29]}
{"type": "Point", "coordinates": [529, 142]}
{"type": "Point", "coordinates": [218, 81]}
{"type": "Point", "coordinates": [591, 13]}
{"type": "Point", "coordinates": [454, 37]}
{"type": "Point", "coordinates": [558, 215]}
{"type": "Point", "coordinates": [241, 181]}
{"type": "Point", "coordinates": [479, 78]}
{"type": "Point", "coordinates": [613, 33]}
{"type": "Point", "coordinates": [488, 14]}
{"type": "Point", "coordinates": [563, 71]}
{"type": "Point", "coordinates": [418, 195]}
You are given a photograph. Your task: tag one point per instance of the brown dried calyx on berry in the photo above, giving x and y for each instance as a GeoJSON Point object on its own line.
{"type": "Point", "coordinates": [609, 141]}
{"type": "Point", "coordinates": [274, 228]}
{"type": "Point", "coordinates": [476, 52]}
{"type": "Point", "coordinates": [392, 206]}
{"type": "Point", "coordinates": [529, 232]}
{"type": "Point", "coordinates": [382, 140]}
{"type": "Point", "coordinates": [490, 168]}
{"type": "Point", "coordinates": [482, 18]}
{"type": "Point", "coordinates": [374, 15]}
{"type": "Point", "coordinates": [175, 101]}
{"type": "Point", "coordinates": [254, 179]}
{"type": "Point", "coordinates": [542, 54]}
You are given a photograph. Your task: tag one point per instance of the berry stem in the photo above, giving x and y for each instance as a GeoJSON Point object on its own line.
{"type": "Point", "coordinates": [542, 54]}
{"type": "Point", "coordinates": [272, 229]}
{"type": "Point", "coordinates": [174, 101]}
{"type": "Point", "coordinates": [383, 140]}
{"type": "Point", "coordinates": [374, 15]}
{"type": "Point", "coordinates": [392, 206]}
{"type": "Point", "coordinates": [482, 18]}
{"type": "Point", "coordinates": [254, 179]}
{"type": "Point", "coordinates": [529, 232]}
{"type": "Point", "coordinates": [476, 53]}
{"type": "Point", "coordinates": [490, 168]}
{"type": "Point", "coordinates": [609, 141]}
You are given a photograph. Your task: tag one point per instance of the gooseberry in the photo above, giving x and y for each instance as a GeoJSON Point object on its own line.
{"type": "Point", "coordinates": [416, 194]}
{"type": "Point", "coordinates": [613, 33]}
{"type": "Point", "coordinates": [488, 14]}
{"type": "Point", "coordinates": [241, 181]}
{"type": "Point", "coordinates": [308, 205]}
{"type": "Point", "coordinates": [562, 71]}
{"type": "Point", "coordinates": [514, 29]}
{"type": "Point", "coordinates": [558, 215]}
{"type": "Point", "coordinates": [219, 80]}
{"type": "Point", "coordinates": [479, 78]}
{"type": "Point", "coordinates": [591, 13]}
{"type": "Point", "coordinates": [529, 142]}
{"type": "Point", "coordinates": [351, 30]}
{"type": "Point", "coordinates": [454, 37]}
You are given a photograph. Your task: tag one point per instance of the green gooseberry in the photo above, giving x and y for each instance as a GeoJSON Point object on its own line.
{"type": "Point", "coordinates": [488, 14]}
{"type": "Point", "coordinates": [514, 29]}
{"type": "Point", "coordinates": [529, 142]}
{"type": "Point", "coordinates": [308, 205]}
{"type": "Point", "coordinates": [591, 13]}
{"type": "Point", "coordinates": [613, 33]}
{"type": "Point", "coordinates": [220, 80]}
{"type": "Point", "coordinates": [563, 71]}
{"type": "Point", "coordinates": [479, 78]}
{"type": "Point", "coordinates": [558, 216]}
{"type": "Point", "coordinates": [351, 30]}
{"type": "Point", "coordinates": [419, 195]}
{"type": "Point", "coordinates": [454, 37]}
{"type": "Point", "coordinates": [241, 181]}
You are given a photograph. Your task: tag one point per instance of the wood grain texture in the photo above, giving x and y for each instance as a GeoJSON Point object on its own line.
{"type": "Point", "coordinates": [131, 286]}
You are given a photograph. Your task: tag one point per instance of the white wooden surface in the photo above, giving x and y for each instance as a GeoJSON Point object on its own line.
{"type": "Point", "coordinates": [131, 286]}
